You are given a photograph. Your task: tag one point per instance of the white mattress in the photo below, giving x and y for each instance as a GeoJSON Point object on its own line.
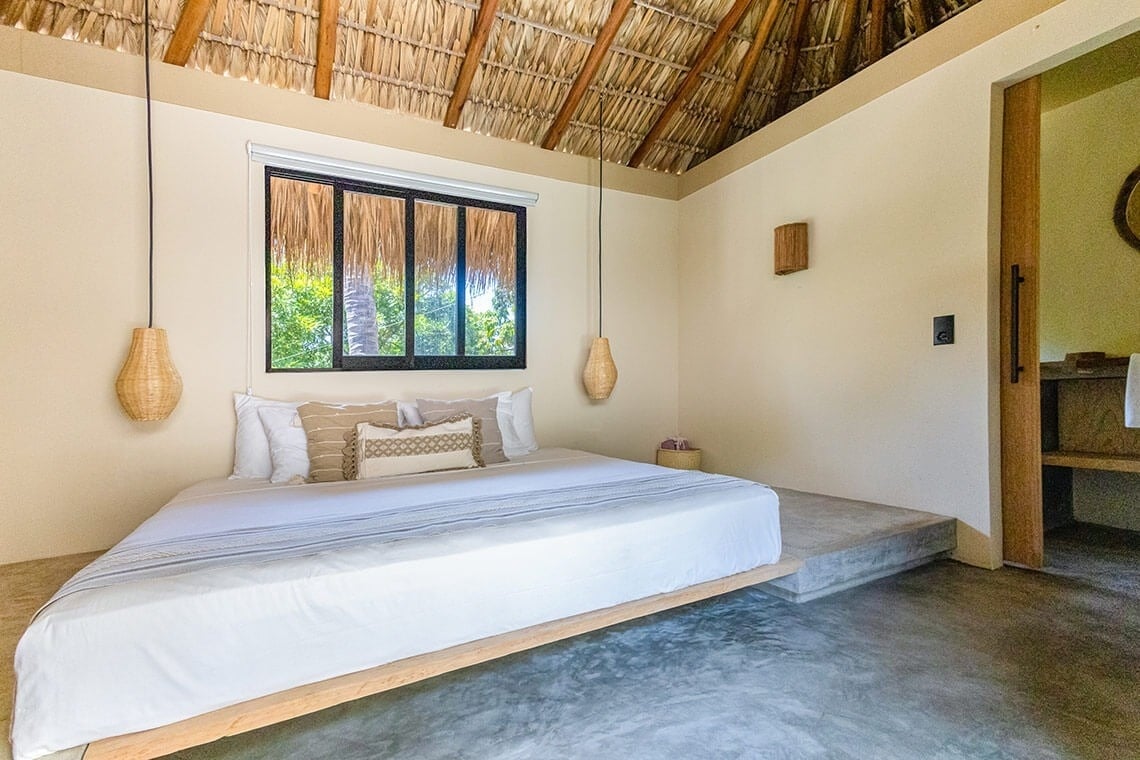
{"type": "Point", "coordinates": [125, 658]}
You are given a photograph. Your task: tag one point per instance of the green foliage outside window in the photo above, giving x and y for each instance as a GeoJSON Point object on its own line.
{"type": "Point", "coordinates": [301, 306]}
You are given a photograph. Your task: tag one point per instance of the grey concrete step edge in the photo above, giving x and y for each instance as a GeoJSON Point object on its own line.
{"type": "Point", "coordinates": [853, 565]}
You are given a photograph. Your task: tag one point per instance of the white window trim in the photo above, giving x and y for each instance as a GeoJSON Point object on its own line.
{"type": "Point", "coordinates": [284, 158]}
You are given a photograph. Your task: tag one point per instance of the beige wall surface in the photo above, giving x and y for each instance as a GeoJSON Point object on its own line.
{"type": "Point", "coordinates": [826, 380]}
{"type": "Point", "coordinates": [1090, 277]}
{"type": "Point", "coordinates": [78, 475]}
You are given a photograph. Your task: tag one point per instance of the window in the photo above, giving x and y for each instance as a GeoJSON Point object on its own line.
{"type": "Point", "coordinates": [363, 276]}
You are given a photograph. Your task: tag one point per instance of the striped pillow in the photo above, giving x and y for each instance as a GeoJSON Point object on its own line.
{"type": "Point", "coordinates": [484, 409]}
{"type": "Point", "coordinates": [384, 450]}
{"type": "Point", "coordinates": [325, 427]}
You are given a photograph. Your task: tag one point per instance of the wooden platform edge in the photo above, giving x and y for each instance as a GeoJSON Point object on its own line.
{"type": "Point", "coordinates": [301, 700]}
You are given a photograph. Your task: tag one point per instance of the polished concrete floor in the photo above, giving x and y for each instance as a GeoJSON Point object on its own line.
{"type": "Point", "coordinates": [942, 662]}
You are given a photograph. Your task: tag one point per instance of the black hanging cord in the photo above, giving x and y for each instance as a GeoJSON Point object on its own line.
{"type": "Point", "coordinates": [149, 170]}
{"type": "Point", "coordinates": [600, 161]}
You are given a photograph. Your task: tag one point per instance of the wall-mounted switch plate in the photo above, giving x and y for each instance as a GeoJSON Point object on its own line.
{"type": "Point", "coordinates": [944, 330]}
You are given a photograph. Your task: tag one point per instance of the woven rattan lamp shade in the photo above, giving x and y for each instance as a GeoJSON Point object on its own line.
{"type": "Point", "coordinates": [148, 385]}
{"type": "Point", "coordinates": [600, 374]}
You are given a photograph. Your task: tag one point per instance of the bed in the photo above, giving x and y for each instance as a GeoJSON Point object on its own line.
{"type": "Point", "coordinates": [242, 603]}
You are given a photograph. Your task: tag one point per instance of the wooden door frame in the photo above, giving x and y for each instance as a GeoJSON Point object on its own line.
{"type": "Point", "coordinates": [1023, 535]}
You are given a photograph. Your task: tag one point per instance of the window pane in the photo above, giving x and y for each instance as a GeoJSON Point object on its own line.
{"type": "Point", "coordinates": [301, 281]}
{"type": "Point", "coordinates": [373, 275]}
{"type": "Point", "coordinates": [490, 328]}
{"type": "Point", "coordinates": [436, 261]}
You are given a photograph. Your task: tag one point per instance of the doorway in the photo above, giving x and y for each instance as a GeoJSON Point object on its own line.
{"type": "Point", "coordinates": [1070, 302]}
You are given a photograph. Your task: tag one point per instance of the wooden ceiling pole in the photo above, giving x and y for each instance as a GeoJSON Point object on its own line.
{"type": "Point", "coordinates": [692, 79]}
{"type": "Point", "coordinates": [326, 47]}
{"type": "Point", "coordinates": [788, 68]}
{"type": "Point", "coordinates": [186, 31]}
{"type": "Point", "coordinates": [843, 45]}
{"type": "Point", "coordinates": [744, 77]}
{"type": "Point", "coordinates": [601, 46]}
{"type": "Point", "coordinates": [921, 18]}
{"type": "Point", "coordinates": [475, 46]}
{"type": "Point", "coordinates": [876, 37]}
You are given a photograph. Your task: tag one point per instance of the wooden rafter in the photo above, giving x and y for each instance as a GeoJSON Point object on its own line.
{"type": "Point", "coordinates": [744, 77]}
{"type": "Point", "coordinates": [479, 36]}
{"type": "Point", "coordinates": [788, 67]}
{"type": "Point", "coordinates": [842, 69]}
{"type": "Point", "coordinates": [692, 79]}
{"type": "Point", "coordinates": [186, 31]}
{"type": "Point", "coordinates": [601, 46]}
{"type": "Point", "coordinates": [921, 17]}
{"type": "Point", "coordinates": [876, 37]}
{"type": "Point", "coordinates": [326, 47]}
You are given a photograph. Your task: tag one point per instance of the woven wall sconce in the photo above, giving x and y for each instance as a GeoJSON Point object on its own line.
{"type": "Point", "coordinates": [791, 248]}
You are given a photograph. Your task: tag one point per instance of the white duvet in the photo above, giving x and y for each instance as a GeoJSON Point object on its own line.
{"type": "Point", "coordinates": [114, 660]}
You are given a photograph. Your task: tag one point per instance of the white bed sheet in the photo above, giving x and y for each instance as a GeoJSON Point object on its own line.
{"type": "Point", "coordinates": [125, 658]}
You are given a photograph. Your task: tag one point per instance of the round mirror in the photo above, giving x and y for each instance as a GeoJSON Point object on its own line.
{"type": "Point", "coordinates": [1127, 212]}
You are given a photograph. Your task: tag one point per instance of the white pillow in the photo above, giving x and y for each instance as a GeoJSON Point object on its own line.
{"type": "Point", "coordinates": [288, 446]}
{"type": "Point", "coordinates": [251, 446]}
{"type": "Point", "coordinates": [516, 420]}
{"type": "Point", "coordinates": [409, 414]}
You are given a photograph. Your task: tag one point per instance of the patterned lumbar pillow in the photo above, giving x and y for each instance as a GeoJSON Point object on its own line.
{"type": "Point", "coordinates": [451, 444]}
{"type": "Point", "coordinates": [325, 426]}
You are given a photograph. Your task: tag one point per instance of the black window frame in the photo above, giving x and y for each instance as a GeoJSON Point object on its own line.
{"type": "Point", "coordinates": [409, 361]}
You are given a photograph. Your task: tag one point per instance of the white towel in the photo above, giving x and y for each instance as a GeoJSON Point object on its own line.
{"type": "Point", "coordinates": [1132, 393]}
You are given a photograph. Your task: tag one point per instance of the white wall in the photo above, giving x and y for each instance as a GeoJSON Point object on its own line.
{"type": "Point", "coordinates": [826, 380]}
{"type": "Point", "coordinates": [1090, 277]}
{"type": "Point", "coordinates": [78, 475]}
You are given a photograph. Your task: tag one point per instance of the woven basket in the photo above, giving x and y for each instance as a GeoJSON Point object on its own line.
{"type": "Point", "coordinates": [600, 374]}
{"type": "Point", "coordinates": [682, 459]}
{"type": "Point", "coordinates": [148, 385]}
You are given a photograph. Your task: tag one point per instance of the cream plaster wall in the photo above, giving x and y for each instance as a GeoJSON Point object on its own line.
{"type": "Point", "coordinates": [826, 380]}
{"type": "Point", "coordinates": [78, 475]}
{"type": "Point", "coordinates": [1090, 277]}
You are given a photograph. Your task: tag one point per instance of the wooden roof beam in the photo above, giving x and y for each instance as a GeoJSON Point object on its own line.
{"type": "Point", "coordinates": [186, 31]}
{"type": "Point", "coordinates": [692, 79]}
{"type": "Point", "coordinates": [921, 17]}
{"type": "Point", "coordinates": [582, 82]}
{"type": "Point", "coordinates": [744, 77]}
{"type": "Point", "coordinates": [326, 47]}
{"type": "Point", "coordinates": [876, 36]}
{"type": "Point", "coordinates": [471, 59]}
{"type": "Point", "coordinates": [842, 68]}
{"type": "Point", "coordinates": [788, 68]}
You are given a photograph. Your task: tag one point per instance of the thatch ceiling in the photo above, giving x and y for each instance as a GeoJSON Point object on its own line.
{"type": "Point", "coordinates": [681, 79]}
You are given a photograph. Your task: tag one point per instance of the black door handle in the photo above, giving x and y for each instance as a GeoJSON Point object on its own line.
{"type": "Point", "coordinates": [1015, 368]}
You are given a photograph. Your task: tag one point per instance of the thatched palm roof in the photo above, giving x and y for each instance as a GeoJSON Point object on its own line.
{"type": "Point", "coordinates": [683, 79]}
{"type": "Point", "coordinates": [301, 215]}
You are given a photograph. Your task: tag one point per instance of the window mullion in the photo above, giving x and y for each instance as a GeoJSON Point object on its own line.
{"type": "Point", "coordinates": [338, 277]}
{"type": "Point", "coordinates": [410, 279]}
{"type": "Point", "coordinates": [461, 281]}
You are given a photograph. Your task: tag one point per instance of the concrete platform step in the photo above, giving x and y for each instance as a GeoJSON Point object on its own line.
{"type": "Point", "coordinates": [845, 543]}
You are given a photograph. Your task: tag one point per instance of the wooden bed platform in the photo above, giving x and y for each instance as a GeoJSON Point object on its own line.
{"type": "Point", "coordinates": [302, 700]}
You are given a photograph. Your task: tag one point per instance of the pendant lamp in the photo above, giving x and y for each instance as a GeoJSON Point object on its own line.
{"type": "Point", "coordinates": [148, 385]}
{"type": "Point", "coordinates": [600, 374]}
